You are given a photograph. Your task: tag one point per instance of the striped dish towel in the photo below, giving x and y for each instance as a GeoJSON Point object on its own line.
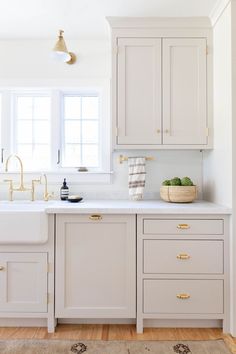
{"type": "Point", "coordinates": [137, 176]}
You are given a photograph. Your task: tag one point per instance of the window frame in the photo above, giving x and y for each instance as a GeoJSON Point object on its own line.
{"type": "Point", "coordinates": [95, 175]}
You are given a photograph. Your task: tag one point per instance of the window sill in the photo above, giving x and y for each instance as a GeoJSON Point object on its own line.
{"type": "Point", "coordinates": [56, 177]}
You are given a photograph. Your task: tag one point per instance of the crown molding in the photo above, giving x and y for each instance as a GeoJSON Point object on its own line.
{"type": "Point", "coordinates": [218, 10]}
{"type": "Point", "coordinates": [159, 22]}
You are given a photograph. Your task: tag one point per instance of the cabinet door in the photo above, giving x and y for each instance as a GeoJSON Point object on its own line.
{"type": "Point", "coordinates": [23, 282]}
{"type": "Point", "coordinates": [139, 91]}
{"type": "Point", "coordinates": [95, 266]}
{"type": "Point", "coordinates": [184, 91]}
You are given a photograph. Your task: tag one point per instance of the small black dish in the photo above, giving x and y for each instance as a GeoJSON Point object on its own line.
{"type": "Point", "coordinates": [74, 199]}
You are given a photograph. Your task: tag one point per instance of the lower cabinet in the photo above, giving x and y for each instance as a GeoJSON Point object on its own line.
{"type": "Point", "coordinates": [23, 282]}
{"type": "Point", "coordinates": [182, 268]}
{"type": "Point", "coordinates": [95, 266]}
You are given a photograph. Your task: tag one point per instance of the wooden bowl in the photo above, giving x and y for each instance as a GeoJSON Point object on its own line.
{"type": "Point", "coordinates": [178, 194]}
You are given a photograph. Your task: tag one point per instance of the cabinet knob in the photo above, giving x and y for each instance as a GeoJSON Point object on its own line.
{"type": "Point", "coordinates": [95, 217]}
{"type": "Point", "coordinates": [166, 131]}
{"type": "Point", "coordinates": [183, 226]}
{"type": "Point", "coordinates": [183, 296]}
{"type": "Point", "coordinates": [158, 131]}
{"type": "Point", "coordinates": [1, 268]}
{"type": "Point", "coordinates": [183, 256]}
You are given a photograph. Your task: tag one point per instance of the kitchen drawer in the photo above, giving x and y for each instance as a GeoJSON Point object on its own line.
{"type": "Point", "coordinates": [181, 227]}
{"type": "Point", "coordinates": [161, 296]}
{"type": "Point", "coordinates": [183, 256]}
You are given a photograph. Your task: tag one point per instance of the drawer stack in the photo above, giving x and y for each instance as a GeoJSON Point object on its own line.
{"type": "Point", "coordinates": [182, 268]}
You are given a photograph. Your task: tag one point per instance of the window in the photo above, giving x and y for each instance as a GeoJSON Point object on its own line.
{"type": "Point", "coordinates": [31, 132]}
{"type": "Point", "coordinates": [81, 143]}
{"type": "Point", "coordinates": [57, 130]}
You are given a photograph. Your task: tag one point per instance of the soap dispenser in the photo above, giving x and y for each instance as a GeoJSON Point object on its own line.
{"type": "Point", "coordinates": [64, 192]}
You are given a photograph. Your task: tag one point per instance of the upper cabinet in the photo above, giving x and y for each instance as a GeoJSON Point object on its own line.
{"type": "Point", "coordinates": [161, 84]}
{"type": "Point", "coordinates": [184, 91]}
{"type": "Point", "coordinates": [139, 91]}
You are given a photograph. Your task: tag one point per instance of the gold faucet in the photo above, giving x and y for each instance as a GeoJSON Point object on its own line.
{"type": "Point", "coordinates": [46, 195]}
{"type": "Point", "coordinates": [21, 187]}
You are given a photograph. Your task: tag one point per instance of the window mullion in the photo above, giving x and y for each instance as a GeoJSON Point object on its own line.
{"type": "Point", "coordinates": [6, 124]}
{"type": "Point", "coordinates": [55, 126]}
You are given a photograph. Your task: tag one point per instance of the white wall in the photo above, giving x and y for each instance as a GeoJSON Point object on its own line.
{"type": "Point", "coordinates": [217, 164]}
{"type": "Point", "coordinates": [28, 63]}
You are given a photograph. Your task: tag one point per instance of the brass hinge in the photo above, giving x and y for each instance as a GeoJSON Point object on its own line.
{"type": "Point", "coordinates": [207, 132]}
{"type": "Point", "coordinates": [116, 50]}
{"type": "Point", "coordinates": [48, 268]}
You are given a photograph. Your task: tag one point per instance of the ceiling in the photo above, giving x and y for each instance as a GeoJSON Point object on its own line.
{"type": "Point", "coordinates": [85, 18]}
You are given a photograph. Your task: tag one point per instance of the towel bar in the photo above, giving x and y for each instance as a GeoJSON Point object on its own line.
{"type": "Point", "coordinates": [123, 158]}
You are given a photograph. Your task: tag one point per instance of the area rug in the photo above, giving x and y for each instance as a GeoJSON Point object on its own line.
{"type": "Point", "coordinates": [112, 347]}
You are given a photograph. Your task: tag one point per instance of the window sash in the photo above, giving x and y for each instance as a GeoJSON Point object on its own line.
{"type": "Point", "coordinates": [15, 123]}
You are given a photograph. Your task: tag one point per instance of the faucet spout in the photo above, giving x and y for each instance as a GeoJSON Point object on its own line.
{"type": "Point", "coordinates": [21, 186]}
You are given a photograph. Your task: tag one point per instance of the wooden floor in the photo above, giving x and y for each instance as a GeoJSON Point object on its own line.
{"type": "Point", "coordinates": [116, 332]}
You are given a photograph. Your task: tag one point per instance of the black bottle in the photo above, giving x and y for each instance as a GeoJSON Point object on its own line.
{"type": "Point", "coordinates": [64, 192]}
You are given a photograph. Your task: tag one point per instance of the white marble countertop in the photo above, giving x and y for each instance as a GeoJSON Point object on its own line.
{"type": "Point", "coordinates": [114, 207]}
{"type": "Point", "coordinates": [135, 207]}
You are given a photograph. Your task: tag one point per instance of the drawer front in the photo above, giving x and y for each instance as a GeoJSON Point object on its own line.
{"type": "Point", "coordinates": [181, 227]}
{"type": "Point", "coordinates": [183, 256]}
{"type": "Point", "coordinates": [183, 296]}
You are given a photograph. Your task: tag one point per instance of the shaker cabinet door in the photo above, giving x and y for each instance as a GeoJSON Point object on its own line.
{"type": "Point", "coordinates": [184, 91]}
{"type": "Point", "coordinates": [139, 91]}
{"type": "Point", "coordinates": [95, 266]}
{"type": "Point", "coordinates": [23, 282]}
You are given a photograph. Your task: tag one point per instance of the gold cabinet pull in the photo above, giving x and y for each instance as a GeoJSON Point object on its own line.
{"type": "Point", "coordinates": [1, 268]}
{"type": "Point", "coordinates": [183, 256]}
{"type": "Point", "coordinates": [183, 226]}
{"type": "Point", "coordinates": [95, 217]}
{"type": "Point", "coordinates": [183, 296]}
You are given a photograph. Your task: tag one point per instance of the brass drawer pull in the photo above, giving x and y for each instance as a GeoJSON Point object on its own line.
{"type": "Point", "coordinates": [183, 226]}
{"type": "Point", "coordinates": [1, 268]}
{"type": "Point", "coordinates": [183, 296]}
{"type": "Point", "coordinates": [95, 217]}
{"type": "Point", "coordinates": [183, 256]}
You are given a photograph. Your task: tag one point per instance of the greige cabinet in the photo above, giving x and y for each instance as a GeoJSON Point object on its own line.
{"type": "Point", "coordinates": [182, 268]}
{"type": "Point", "coordinates": [23, 282]}
{"type": "Point", "coordinates": [184, 91]}
{"type": "Point", "coordinates": [95, 266]}
{"type": "Point", "coordinates": [161, 86]}
{"type": "Point", "coordinates": [139, 91]}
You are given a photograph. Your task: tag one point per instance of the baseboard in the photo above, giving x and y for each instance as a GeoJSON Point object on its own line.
{"type": "Point", "coordinates": [183, 323]}
{"type": "Point", "coordinates": [23, 322]}
{"type": "Point", "coordinates": [164, 323]}
{"type": "Point", "coordinates": [96, 321]}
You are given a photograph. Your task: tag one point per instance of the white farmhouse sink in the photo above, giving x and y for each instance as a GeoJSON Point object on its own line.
{"type": "Point", "coordinates": [23, 223]}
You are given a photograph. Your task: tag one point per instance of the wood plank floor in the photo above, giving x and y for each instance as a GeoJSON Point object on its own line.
{"type": "Point", "coordinates": [116, 332]}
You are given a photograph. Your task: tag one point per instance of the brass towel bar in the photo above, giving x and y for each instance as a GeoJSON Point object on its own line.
{"type": "Point", "coordinates": [123, 158]}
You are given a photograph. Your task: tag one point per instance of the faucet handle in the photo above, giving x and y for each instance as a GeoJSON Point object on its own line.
{"type": "Point", "coordinates": [48, 196]}
{"type": "Point", "coordinates": [10, 181]}
{"type": "Point", "coordinates": [33, 182]}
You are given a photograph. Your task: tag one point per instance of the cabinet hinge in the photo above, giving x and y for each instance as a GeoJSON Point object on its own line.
{"type": "Point", "coordinates": [207, 132]}
{"type": "Point", "coordinates": [116, 49]}
{"type": "Point", "coordinates": [48, 268]}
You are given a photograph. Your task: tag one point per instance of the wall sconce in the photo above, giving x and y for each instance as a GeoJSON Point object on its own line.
{"type": "Point", "coordinates": [60, 52]}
